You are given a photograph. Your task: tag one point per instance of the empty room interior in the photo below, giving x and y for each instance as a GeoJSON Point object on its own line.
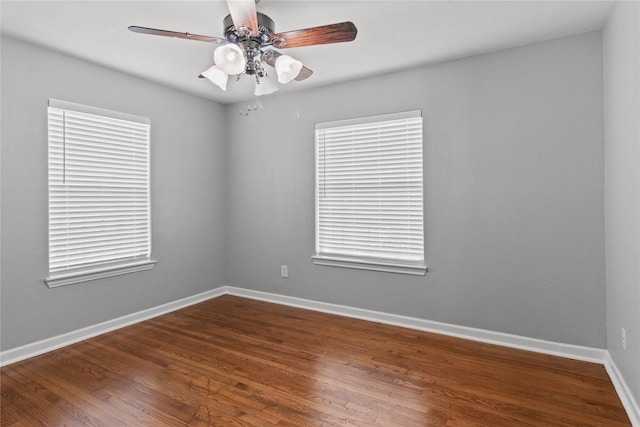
{"type": "Point", "coordinates": [362, 213]}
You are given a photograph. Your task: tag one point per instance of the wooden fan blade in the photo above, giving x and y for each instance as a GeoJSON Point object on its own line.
{"type": "Point", "coordinates": [304, 73]}
{"type": "Point", "coordinates": [189, 36]}
{"type": "Point", "coordinates": [270, 57]}
{"type": "Point", "coordinates": [244, 15]}
{"type": "Point", "coordinates": [334, 33]}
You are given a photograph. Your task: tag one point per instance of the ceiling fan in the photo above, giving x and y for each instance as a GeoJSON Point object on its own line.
{"type": "Point", "coordinates": [249, 39]}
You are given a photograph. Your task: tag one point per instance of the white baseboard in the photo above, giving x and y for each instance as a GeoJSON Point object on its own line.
{"type": "Point", "coordinates": [630, 404]}
{"type": "Point", "coordinates": [40, 347]}
{"type": "Point", "coordinates": [588, 354]}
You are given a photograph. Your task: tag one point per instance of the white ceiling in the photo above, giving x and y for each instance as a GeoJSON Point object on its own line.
{"type": "Point", "coordinates": [391, 34]}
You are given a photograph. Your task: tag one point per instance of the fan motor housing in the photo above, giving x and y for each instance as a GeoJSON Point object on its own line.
{"type": "Point", "coordinates": [266, 28]}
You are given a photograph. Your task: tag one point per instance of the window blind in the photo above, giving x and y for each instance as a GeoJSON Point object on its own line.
{"type": "Point", "coordinates": [99, 209]}
{"type": "Point", "coordinates": [369, 188]}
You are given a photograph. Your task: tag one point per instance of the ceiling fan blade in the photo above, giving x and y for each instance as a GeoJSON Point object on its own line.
{"type": "Point", "coordinates": [304, 73]}
{"type": "Point", "coordinates": [334, 33]}
{"type": "Point", "coordinates": [188, 36]}
{"type": "Point", "coordinates": [244, 15]}
{"type": "Point", "coordinates": [270, 56]}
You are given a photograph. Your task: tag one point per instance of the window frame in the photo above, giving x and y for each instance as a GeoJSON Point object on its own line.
{"type": "Point", "coordinates": [60, 276]}
{"type": "Point", "coordinates": [391, 265]}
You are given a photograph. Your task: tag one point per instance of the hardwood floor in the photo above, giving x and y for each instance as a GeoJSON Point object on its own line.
{"type": "Point", "coordinates": [237, 362]}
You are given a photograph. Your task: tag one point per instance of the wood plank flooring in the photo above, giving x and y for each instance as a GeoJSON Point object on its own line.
{"type": "Point", "coordinates": [237, 362]}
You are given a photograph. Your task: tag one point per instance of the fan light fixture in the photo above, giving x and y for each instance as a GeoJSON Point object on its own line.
{"type": "Point", "coordinates": [232, 59]}
{"type": "Point", "coordinates": [287, 68]}
{"type": "Point", "coordinates": [265, 86]}
{"type": "Point", "coordinates": [216, 76]}
{"type": "Point", "coordinates": [249, 42]}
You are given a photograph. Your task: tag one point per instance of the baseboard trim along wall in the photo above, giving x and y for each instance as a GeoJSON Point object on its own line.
{"type": "Point", "coordinates": [49, 344]}
{"type": "Point", "coordinates": [588, 354]}
{"type": "Point", "coordinates": [624, 393]}
{"type": "Point", "coordinates": [576, 352]}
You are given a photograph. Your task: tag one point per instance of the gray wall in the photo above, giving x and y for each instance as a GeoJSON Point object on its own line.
{"type": "Point", "coordinates": [622, 189]}
{"type": "Point", "coordinates": [514, 216]}
{"type": "Point", "coordinates": [187, 190]}
{"type": "Point", "coordinates": [513, 194]}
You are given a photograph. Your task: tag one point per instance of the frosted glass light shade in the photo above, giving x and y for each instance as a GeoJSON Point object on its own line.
{"type": "Point", "coordinates": [216, 76]}
{"type": "Point", "coordinates": [265, 86]}
{"type": "Point", "coordinates": [287, 68]}
{"type": "Point", "coordinates": [230, 58]}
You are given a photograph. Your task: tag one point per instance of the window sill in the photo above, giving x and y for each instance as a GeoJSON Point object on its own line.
{"type": "Point", "coordinates": [63, 279]}
{"type": "Point", "coordinates": [370, 264]}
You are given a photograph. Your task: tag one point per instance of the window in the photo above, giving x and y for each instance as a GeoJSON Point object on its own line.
{"type": "Point", "coordinates": [369, 210]}
{"type": "Point", "coordinates": [99, 210]}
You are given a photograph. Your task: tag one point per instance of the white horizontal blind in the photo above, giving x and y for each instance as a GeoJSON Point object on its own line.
{"type": "Point", "coordinates": [369, 188]}
{"type": "Point", "coordinates": [99, 210]}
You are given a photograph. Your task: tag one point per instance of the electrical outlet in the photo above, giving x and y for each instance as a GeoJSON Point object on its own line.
{"type": "Point", "coordinates": [624, 338]}
{"type": "Point", "coordinates": [284, 271]}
